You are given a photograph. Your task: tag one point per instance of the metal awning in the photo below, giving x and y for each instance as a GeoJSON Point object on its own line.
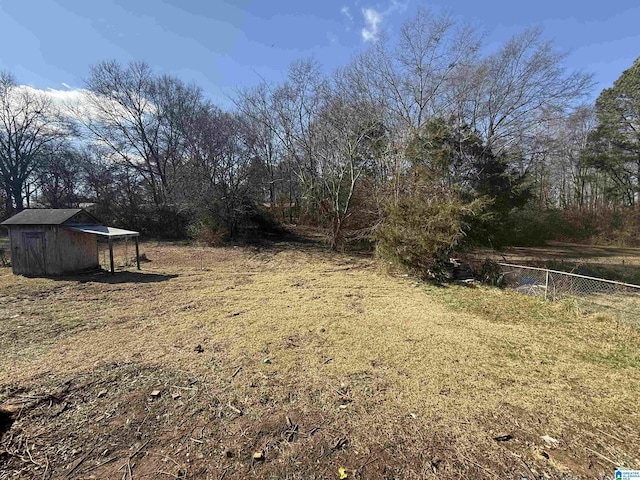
{"type": "Point", "coordinates": [110, 232]}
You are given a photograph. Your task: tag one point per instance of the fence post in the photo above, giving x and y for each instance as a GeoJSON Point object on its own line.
{"type": "Point", "coordinates": [546, 286]}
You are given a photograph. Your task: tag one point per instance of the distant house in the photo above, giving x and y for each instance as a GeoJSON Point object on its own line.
{"type": "Point", "coordinates": [52, 242]}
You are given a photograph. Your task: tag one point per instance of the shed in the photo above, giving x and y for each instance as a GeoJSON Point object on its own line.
{"type": "Point", "coordinates": [52, 242]}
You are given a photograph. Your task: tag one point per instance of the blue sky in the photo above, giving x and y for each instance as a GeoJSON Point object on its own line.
{"type": "Point", "coordinates": [221, 45]}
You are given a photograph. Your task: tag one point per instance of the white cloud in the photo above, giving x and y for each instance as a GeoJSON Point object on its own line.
{"type": "Point", "coordinates": [372, 21]}
{"type": "Point", "coordinates": [345, 11]}
{"type": "Point", "coordinates": [79, 104]}
{"type": "Point", "coordinates": [373, 18]}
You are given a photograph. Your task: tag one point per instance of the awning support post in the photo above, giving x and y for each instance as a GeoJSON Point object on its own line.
{"type": "Point", "coordinates": [111, 255]}
{"type": "Point", "coordinates": [137, 254]}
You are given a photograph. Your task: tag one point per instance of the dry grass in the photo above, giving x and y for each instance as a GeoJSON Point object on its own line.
{"type": "Point", "coordinates": [380, 375]}
{"type": "Point", "coordinates": [612, 263]}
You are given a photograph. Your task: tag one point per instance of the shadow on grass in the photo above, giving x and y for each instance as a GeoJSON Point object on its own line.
{"type": "Point", "coordinates": [118, 277]}
{"type": "Point", "coordinates": [306, 239]}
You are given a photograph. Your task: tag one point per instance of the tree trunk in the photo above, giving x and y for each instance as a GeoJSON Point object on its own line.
{"type": "Point", "coordinates": [18, 201]}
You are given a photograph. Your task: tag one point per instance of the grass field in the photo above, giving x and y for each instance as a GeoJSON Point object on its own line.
{"type": "Point", "coordinates": [293, 362]}
{"type": "Point", "coordinates": [620, 264]}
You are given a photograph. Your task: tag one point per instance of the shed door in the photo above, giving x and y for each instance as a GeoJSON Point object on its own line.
{"type": "Point", "coordinates": [34, 245]}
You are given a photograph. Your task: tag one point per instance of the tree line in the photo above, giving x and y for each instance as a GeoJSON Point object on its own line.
{"type": "Point", "coordinates": [420, 144]}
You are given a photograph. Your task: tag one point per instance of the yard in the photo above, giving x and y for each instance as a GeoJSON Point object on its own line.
{"type": "Point", "coordinates": [293, 362]}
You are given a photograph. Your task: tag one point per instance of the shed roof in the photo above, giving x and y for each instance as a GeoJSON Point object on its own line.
{"type": "Point", "coordinates": [103, 231]}
{"type": "Point", "coordinates": [43, 216]}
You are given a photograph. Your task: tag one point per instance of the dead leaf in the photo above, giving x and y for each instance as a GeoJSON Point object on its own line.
{"type": "Point", "coordinates": [258, 456]}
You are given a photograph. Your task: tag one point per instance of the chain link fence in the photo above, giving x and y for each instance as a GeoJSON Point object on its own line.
{"type": "Point", "coordinates": [595, 294]}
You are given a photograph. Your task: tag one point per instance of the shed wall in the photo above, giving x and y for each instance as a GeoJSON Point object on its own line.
{"type": "Point", "coordinates": [77, 251]}
{"type": "Point", "coordinates": [50, 250]}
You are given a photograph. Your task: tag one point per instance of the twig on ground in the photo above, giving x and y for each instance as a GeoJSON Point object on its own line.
{"type": "Point", "coordinates": [609, 435]}
{"type": "Point", "coordinates": [138, 450]}
{"type": "Point", "coordinates": [236, 372]}
{"type": "Point", "coordinates": [528, 468]}
{"type": "Point", "coordinates": [93, 467]}
{"type": "Point", "coordinates": [480, 466]}
{"type": "Point", "coordinates": [78, 463]}
{"type": "Point", "coordinates": [167, 473]}
{"type": "Point", "coordinates": [128, 471]}
{"type": "Point", "coordinates": [368, 462]}
{"type": "Point", "coordinates": [604, 458]}
{"type": "Point", "coordinates": [317, 427]}
{"type": "Point", "coordinates": [46, 468]}
{"type": "Point", "coordinates": [29, 453]}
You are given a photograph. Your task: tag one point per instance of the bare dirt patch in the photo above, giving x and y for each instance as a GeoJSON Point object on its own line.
{"type": "Point", "coordinates": [293, 362]}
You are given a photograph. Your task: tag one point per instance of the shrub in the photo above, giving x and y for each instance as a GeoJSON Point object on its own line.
{"type": "Point", "coordinates": [204, 233]}
{"type": "Point", "coordinates": [423, 225]}
{"type": "Point", "coordinates": [491, 273]}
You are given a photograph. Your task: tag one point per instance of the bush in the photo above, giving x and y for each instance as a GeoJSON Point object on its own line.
{"type": "Point", "coordinates": [608, 226]}
{"type": "Point", "coordinates": [249, 223]}
{"type": "Point", "coordinates": [165, 221]}
{"type": "Point", "coordinates": [531, 226]}
{"type": "Point", "coordinates": [424, 226]}
{"type": "Point", "coordinates": [491, 273]}
{"type": "Point", "coordinates": [206, 231]}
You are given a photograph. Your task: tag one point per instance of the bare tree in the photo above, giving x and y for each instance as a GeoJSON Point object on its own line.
{"type": "Point", "coordinates": [59, 179]}
{"type": "Point", "coordinates": [30, 128]}
{"type": "Point", "coordinates": [258, 118]}
{"type": "Point", "coordinates": [287, 111]}
{"type": "Point", "coordinates": [348, 136]}
{"type": "Point", "coordinates": [415, 74]}
{"type": "Point", "coordinates": [142, 118]}
{"type": "Point", "coordinates": [218, 171]}
{"type": "Point", "coordinates": [520, 86]}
